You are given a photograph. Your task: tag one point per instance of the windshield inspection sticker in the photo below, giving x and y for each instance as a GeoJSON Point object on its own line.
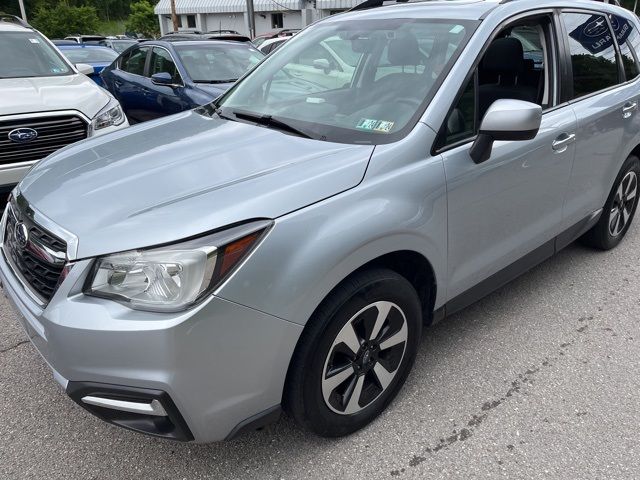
{"type": "Point", "coordinates": [375, 125]}
{"type": "Point", "coordinates": [34, 40]}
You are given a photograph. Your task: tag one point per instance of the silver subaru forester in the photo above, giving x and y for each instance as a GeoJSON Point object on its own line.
{"type": "Point", "coordinates": [282, 247]}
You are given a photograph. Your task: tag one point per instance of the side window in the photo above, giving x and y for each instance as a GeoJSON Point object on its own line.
{"type": "Point", "coordinates": [161, 62]}
{"type": "Point", "coordinates": [628, 38]}
{"type": "Point", "coordinates": [593, 53]}
{"type": "Point", "coordinates": [134, 61]}
{"type": "Point", "coordinates": [517, 65]}
{"type": "Point", "coordinates": [461, 123]}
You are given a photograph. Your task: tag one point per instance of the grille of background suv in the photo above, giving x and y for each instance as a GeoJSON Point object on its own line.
{"type": "Point", "coordinates": [53, 134]}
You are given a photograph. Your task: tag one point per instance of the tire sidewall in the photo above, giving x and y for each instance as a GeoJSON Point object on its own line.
{"type": "Point", "coordinates": [393, 289]}
{"type": "Point", "coordinates": [609, 241]}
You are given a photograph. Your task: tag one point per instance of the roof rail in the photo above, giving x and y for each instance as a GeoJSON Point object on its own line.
{"type": "Point", "coordinates": [6, 18]}
{"type": "Point", "coordinates": [367, 4]}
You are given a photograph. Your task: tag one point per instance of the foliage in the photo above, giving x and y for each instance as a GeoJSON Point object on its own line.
{"type": "Point", "coordinates": [62, 20]}
{"type": "Point", "coordinates": [142, 19]}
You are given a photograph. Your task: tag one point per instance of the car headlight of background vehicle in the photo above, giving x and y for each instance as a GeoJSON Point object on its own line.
{"type": "Point", "coordinates": [110, 116]}
{"type": "Point", "coordinates": [175, 277]}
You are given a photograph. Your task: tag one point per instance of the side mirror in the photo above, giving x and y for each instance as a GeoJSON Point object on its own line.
{"type": "Point", "coordinates": [85, 68]}
{"type": "Point", "coordinates": [322, 64]}
{"type": "Point", "coordinates": [162, 78]}
{"type": "Point", "coordinates": [506, 120]}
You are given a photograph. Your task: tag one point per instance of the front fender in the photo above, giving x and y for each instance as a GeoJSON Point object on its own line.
{"type": "Point", "coordinates": [309, 252]}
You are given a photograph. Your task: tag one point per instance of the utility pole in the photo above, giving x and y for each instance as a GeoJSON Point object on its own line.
{"type": "Point", "coordinates": [174, 17]}
{"type": "Point", "coordinates": [22, 11]}
{"type": "Point", "coordinates": [251, 17]}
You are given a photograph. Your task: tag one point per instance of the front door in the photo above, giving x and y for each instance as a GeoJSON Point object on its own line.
{"type": "Point", "coordinates": [511, 205]}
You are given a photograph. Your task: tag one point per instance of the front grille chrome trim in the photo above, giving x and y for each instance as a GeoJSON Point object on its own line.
{"type": "Point", "coordinates": [43, 221]}
{"type": "Point", "coordinates": [38, 267]}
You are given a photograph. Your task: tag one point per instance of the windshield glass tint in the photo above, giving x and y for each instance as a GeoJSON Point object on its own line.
{"type": "Point", "coordinates": [26, 54]}
{"type": "Point", "coordinates": [217, 63]}
{"type": "Point", "coordinates": [357, 81]}
{"type": "Point", "coordinates": [90, 55]}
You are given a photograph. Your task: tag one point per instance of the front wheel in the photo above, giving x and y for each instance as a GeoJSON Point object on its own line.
{"type": "Point", "coordinates": [619, 210]}
{"type": "Point", "coordinates": [355, 354]}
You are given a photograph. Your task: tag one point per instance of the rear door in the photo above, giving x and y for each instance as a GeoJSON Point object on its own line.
{"type": "Point", "coordinates": [604, 92]}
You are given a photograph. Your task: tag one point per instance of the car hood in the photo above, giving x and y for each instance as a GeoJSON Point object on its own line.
{"type": "Point", "coordinates": [182, 176]}
{"type": "Point", "coordinates": [44, 94]}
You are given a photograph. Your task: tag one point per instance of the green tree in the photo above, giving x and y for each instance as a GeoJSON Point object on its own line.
{"type": "Point", "coordinates": [142, 19]}
{"type": "Point", "coordinates": [63, 20]}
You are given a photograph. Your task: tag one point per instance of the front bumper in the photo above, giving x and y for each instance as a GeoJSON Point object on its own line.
{"type": "Point", "coordinates": [221, 365]}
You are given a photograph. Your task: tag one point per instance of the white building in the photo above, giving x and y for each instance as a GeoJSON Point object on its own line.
{"type": "Point", "coordinates": [207, 15]}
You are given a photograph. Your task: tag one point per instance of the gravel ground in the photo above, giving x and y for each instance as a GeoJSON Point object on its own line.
{"type": "Point", "coordinates": [539, 380]}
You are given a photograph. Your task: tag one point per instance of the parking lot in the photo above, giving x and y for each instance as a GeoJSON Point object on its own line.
{"type": "Point", "coordinates": [539, 380]}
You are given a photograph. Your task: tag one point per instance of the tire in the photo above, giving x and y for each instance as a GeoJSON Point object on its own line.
{"type": "Point", "coordinates": [619, 210]}
{"type": "Point", "coordinates": [322, 400]}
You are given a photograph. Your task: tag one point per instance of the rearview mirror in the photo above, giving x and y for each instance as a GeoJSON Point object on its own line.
{"type": "Point", "coordinates": [162, 78]}
{"type": "Point", "coordinates": [506, 120]}
{"type": "Point", "coordinates": [85, 68]}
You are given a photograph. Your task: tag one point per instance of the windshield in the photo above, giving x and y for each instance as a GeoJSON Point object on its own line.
{"type": "Point", "coordinates": [121, 45]}
{"type": "Point", "coordinates": [221, 63]}
{"type": "Point", "coordinates": [27, 54]}
{"type": "Point", "coordinates": [90, 55]}
{"type": "Point", "coordinates": [356, 81]}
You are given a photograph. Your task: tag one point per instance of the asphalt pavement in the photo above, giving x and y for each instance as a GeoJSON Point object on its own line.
{"type": "Point", "coordinates": [539, 380]}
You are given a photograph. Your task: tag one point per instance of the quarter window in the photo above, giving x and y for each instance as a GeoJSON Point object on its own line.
{"type": "Point", "coordinates": [161, 62]}
{"type": "Point", "coordinates": [629, 41]}
{"type": "Point", "coordinates": [134, 61]}
{"type": "Point", "coordinates": [593, 53]}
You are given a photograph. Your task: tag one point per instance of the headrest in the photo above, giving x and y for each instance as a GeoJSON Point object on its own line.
{"type": "Point", "coordinates": [404, 50]}
{"type": "Point", "coordinates": [505, 55]}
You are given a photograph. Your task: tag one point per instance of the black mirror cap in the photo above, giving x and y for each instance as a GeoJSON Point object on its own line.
{"type": "Point", "coordinates": [483, 146]}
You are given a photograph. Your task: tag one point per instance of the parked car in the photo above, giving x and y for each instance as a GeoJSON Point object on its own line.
{"type": "Point", "coordinates": [265, 251]}
{"type": "Point", "coordinates": [57, 42]}
{"type": "Point", "coordinates": [269, 46]}
{"type": "Point", "coordinates": [94, 55]}
{"type": "Point", "coordinates": [45, 102]}
{"type": "Point", "coordinates": [196, 35]}
{"type": "Point", "coordinates": [118, 45]}
{"type": "Point", "coordinates": [279, 33]}
{"type": "Point", "coordinates": [85, 38]}
{"type": "Point", "coordinates": [161, 78]}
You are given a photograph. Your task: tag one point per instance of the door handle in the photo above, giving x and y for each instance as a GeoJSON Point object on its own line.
{"type": "Point", "coordinates": [629, 108]}
{"type": "Point", "coordinates": [563, 141]}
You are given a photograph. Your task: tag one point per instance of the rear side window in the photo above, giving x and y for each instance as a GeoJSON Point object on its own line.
{"type": "Point", "coordinates": [593, 53]}
{"type": "Point", "coordinates": [134, 61]}
{"type": "Point", "coordinates": [629, 41]}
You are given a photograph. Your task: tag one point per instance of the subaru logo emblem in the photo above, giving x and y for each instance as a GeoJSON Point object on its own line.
{"type": "Point", "coordinates": [21, 234]}
{"type": "Point", "coordinates": [23, 135]}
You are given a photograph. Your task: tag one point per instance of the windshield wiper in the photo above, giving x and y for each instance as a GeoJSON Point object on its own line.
{"type": "Point", "coordinates": [270, 121]}
{"type": "Point", "coordinates": [231, 80]}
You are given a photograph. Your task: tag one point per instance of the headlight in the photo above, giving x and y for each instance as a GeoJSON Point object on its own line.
{"type": "Point", "coordinates": [174, 277]}
{"type": "Point", "coordinates": [110, 116]}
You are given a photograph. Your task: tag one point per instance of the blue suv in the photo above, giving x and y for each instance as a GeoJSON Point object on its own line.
{"type": "Point", "coordinates": [160, 78]}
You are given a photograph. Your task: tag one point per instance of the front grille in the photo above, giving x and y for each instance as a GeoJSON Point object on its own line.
{"type": "Point", "coordinates": [39, 260]}
{"type": "Point", "coordinates": [53, 134]}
